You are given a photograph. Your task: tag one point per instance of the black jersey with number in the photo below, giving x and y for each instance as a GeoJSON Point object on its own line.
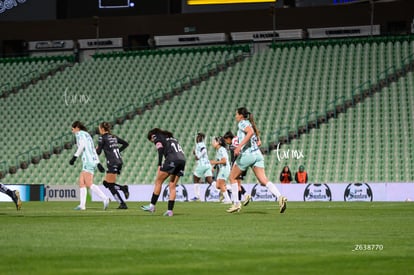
{"type": "Point", "coordinates": [169, 146]}
{"type": "Point", "coordinates": [110, 145]}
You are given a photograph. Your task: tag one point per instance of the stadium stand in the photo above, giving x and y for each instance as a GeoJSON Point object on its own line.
{"type": "Point", "coordinates": [98, 90]}
{"type": "Point", "coordinates": [368, 143]}
{"type": "Point", "coordinates": [285, 87]}
{"type": "Point", "coordinates": [19, 72]}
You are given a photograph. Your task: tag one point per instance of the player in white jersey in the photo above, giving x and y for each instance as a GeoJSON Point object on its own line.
{"type": "Point", "coordinates": [90, 160]}
{"type": "Point", "coordinates": [249, 155]}
{"type": "Point", "coordinates": [203, 167]}
{"type": "Point", "coordinates": [223, 165]}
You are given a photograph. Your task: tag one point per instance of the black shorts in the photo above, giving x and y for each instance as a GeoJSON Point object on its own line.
{"type": "Point", "coordinates": [114, 168]}
{"type": "Point", "coordinates": [174, 167]}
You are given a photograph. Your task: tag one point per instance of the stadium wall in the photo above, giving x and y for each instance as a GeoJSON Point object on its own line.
{"type": "Point", "coordinates": [386, 15]}
{"type": "Point", "coordinates": [351, 192]}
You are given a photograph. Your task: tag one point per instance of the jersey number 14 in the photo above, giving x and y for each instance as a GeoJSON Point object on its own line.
{"type": "Point", "coordinates": [177, 147]}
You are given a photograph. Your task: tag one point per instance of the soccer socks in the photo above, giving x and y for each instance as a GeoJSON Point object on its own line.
{"type": "Point", "coordinates": [197, 190]}
{"type": "Point", "coordinates": [214, 184]}
{"type": "Point", "coordinates": [6, 190]}
{"type": "Point", "coordinates": [82, 194]}
{"type": "Point", "coordinates": [226, 196]}
{"type": "Point", "coordinates": [243, 191]}
{"type": "Point", "coordinates": [113, 188]}
{"type": "Point", "coordinates": [116, 194]}
{"type": "Point", "coordinates": [273, 189]}
{"type": "Point", "coordinates": [117, 186]}
{"type": "Point", "coordinates": [171, 205]}
{"type": "Point", "coordinates": [154, 199]}
{"type": "Point", "coordinates": [108, 184]}
{"type": "Point", "coordinates": [98, 192]}
{"type": "Point", "coordinates": [235, 191]}
{"type": "Point", "coordinates": [225, 193]}
{"type": "Point", "coordinates": [10, 193]}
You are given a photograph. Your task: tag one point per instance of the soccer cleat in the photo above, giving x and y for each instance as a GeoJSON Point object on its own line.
{"type": "Point", "coordinates": [195, 199]}
{"type": "Point", "coordinates": [106, 203]}
{"type": "Point", "coordinates": [79, 208]}
{"type": "Point", "coordinates": [247, 199]}
{"type": "Point", "coordinates": [282, 204]}
{"type": "Point", "coordinates": [234, 208]}
{"type": "Point", "coordinates": [126, 191]}
{"type": "Point", "coordinates": [148, 208]}
{"type": "Point", "coordinates": [16, 199]}
{"type": "Point", "coordinates": [122, 206]}
{"type": "Point", "coordinates": [168, 213]}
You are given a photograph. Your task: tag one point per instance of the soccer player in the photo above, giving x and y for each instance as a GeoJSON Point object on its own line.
{"type": "Point", "coordinates": [249, 155]}
{"type": "Point", "coordinates": [90, 160]}
{"type": "Point", "coordinates": [173, 167]}
{"type": "Point", "coordinates": [109, 143]}
{"type": "Point", "coordinates": [232, 142]}
{"type": "Point", "coordinates": [203, 167]}
{"type": "Point", "coordinates": [14, 195]}
{"type": "Point", "coordinates": [223, 165]}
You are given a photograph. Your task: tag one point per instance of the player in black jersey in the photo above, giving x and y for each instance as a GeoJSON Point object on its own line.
{"type": "Point", "coordinates": [14, 195]}
{"type": "Point", "coordinates": [109, 143]}
{"type": "Point", "coordinates": [232, 142]}
{"type": "Point", "coordinates": [173, 167]}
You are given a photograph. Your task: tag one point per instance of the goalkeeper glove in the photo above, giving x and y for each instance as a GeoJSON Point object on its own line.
{"type": "Point", "coordinates": [101, 168]}
{"type": "Point", "coordinates": [72, 160]}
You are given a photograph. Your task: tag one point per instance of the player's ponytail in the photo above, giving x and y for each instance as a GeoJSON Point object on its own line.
{"type": "Point", "coordinates": [221, 141]}
{"type": "Point", "coordinates": [78, 124]}
{"type": "Point", "coordinates": [200, 137]}
{"type": "Point", "coordinates": [106, 126]}
{"type": "Point", "coordinates": [229, 135]}
{"type": "Point", "coordinates": [155, 131]}
{"type": "Point", "coordinates": [251, 119]}
{"type": "Point", "coordinates": [249, 116]}
{"type": "Point", "coordinates": [167, 134]}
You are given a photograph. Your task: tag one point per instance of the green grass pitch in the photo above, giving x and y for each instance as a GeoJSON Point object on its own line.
{"type": "Point", "coordinates": [310, 238]}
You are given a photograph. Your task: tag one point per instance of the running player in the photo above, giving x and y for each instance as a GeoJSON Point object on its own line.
{"type": "Point", "coordinates": [173, 167]}
{"type": "Point", "coordinates": [249, 155]}
{"type": "Point", "coordinates": [223, 165]}
{"type": "Point", "coordinates": [203, 167]}
{"type": "Point", "coordinates": [109, 144]}
{"type": "Point", "coordinates": [90, 160]}
{"type": "Point", "coordinates": [14, 195]}
{"type": "Point", "coordinates": [232, 142]}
